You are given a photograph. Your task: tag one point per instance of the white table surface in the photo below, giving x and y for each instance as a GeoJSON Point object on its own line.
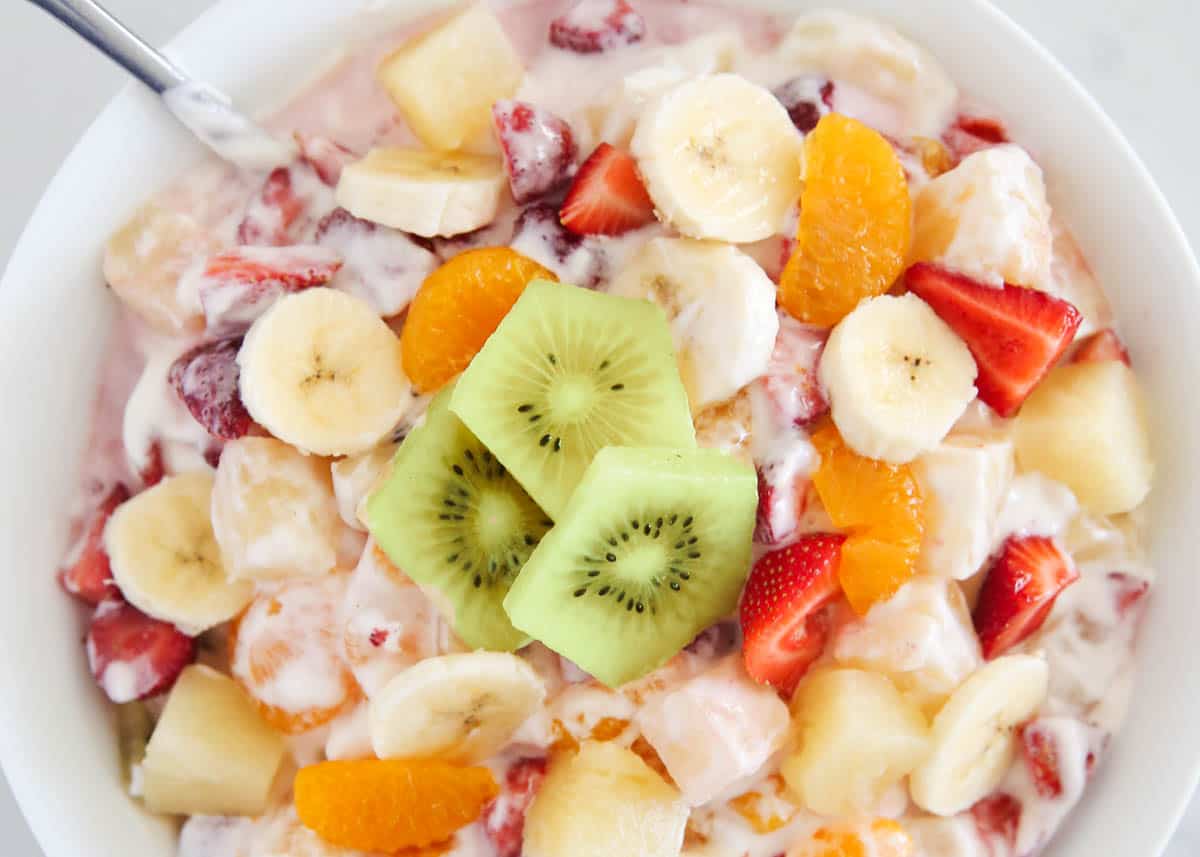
{"type": "Point", "coordinates": [1137, 56]}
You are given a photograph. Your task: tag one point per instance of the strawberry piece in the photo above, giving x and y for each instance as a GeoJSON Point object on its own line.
{"type": "Point", "coordinates": [87, 574]}
{"type": "Point", "coordinates": [806, 100]}
{"type": "Point", "coordinates": [607, 196]}
{"type": "Point", "coordinates": [971, 134]}
{"type": "Point", "coordinates": [1040, 751]}
{"type": "Point", "coordinates": [784, 623]}
{"type": "Point", "coordinates": [997, 818]}
{"type": "Point", "coordinates": [791, 379]}
{"type": "Point", "coordinates": [155, 468]}
{"type": "Point", "coordinates": [539, 235]}
{"type": "Point", "coordinates": [1019, 592]}
{"type": "Point", "coordinates": [594, 26]}
{"type": "Point", "coordinates": [133, 656]}
{"type": "Point", "coordinates": [206, 379]}
{"type": "Point", "coordinates": [326, 157]}
{"type": "Point", "coordinates": [1129, 591]}
{"type": "Point", "coordinates": [539, 149]}
{"type": "Point", "coordinates": [1100, 347]}
{"type": "Point", "coordinates": [715, 641]}
{"type": "Point", "coordinates": [237, 287]}
{"type": "Point", "coordinates": [270, 215]}
{"type": "Point", "coordinates": [1015, 334]}
{"type": "Point", "coordinates": [504, 818]}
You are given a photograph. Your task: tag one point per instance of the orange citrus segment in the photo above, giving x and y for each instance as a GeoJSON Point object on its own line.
{"type": "Point", "coordinates": [855, 222]}
{"type": "Point", "coordinates": [457, 308]}
{"type": "Point", "coordinates": [882, 838]}
{"type": "Point", "coordinates": [880, 507]}
{"type": "Point", "coordinates": [768, 810]}
{"type": "Point", "coordinates": [388, 805]}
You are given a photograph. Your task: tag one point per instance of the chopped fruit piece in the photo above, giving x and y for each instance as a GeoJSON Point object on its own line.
{"type": "Point", "coordinates": [998, 817]}
{"type": "Point", "coordinates": [971, 134]}
{"type": "Point", "coordinates": [883, 837]}
{"type": "Point", "coordinates": [154, 470]}
{"type": "Point", "coordinates": [935, 158]}
{"type": "Point", "coordinates": [280, 212]}
{"type": "Point", "coordinates": [593, 26]}
{"type": "Point", "coordinates": [768, 808]}
{"type": "Point", "coordinates": [540, 235]}
{"type": "Point", "coordinates": [1040, 749]}
{"type": "Point", "coordinates": [145, 259]}
{"type": "Point", "coordinates": [1085, 426]}
{"type": "Point", "coordinates": [504, 818]}
{"type": "Point", "coordinates": [987, 218]}
{"type": "Point", "coordinates": [882, 508]}
{"type": "Point", "coordinates": [1015, 334]}
{"type": "Point", "coordinates": [1101, 346]}
{"type": "Point", "coordinates": [238, 286]}
{"type": "Point", "coordinates": [601, 802]}
{"type": "Point", "coordinates": [806, 99]}
{"type": "Point", "coordinates": [383, 267]}
{"type": "Point", "coordinates": [785, 494]}
{"type": "Point", "coordinates": [387, 805]}
{"type": "Point", "coordinates": [133, 656]}
{"type": "Point", "coordinates": [355, 476]}
{"type": "Point", "coordinates": [1019, 592]}
{"type": "Point", "coordinates": [539, 149]}
{"type": "Point", "coordinates": [294, 628]}
{"type": "Point", "coordinates": [87, 573]}
{"type": "Point", "coordinates": [791, 378]}
{"type": "Point", "coordinates": [784, 622]}
{"type": "Point", "coordinates": [458, 307]}
{"type": "Point", "coordinates": [715, 729]}
{"type": "Point", "coordinates": [855, 223]}
{"type": "Point", "coordinates": [325, 156]}
{"type": "Point", "coordinates": [607, 196]}
{"type": "Point", "coordinates": [445, 81]}
{"type": "Point", "coordinates": [1130, 592]}
{"type": "Point", "coordinates": [858, 737]}
{"type": "Point", "coordinates": [206, 379]}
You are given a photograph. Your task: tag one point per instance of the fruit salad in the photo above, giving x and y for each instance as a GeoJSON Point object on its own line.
{"type": "Point", "coordinates": [624, 427]}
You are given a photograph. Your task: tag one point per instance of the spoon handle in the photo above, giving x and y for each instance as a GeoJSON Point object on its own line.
{"type": "Point", "coordinates": [91, 21]}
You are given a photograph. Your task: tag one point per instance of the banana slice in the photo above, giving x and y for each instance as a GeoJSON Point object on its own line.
{"type": "Point", "coordinates": [973, 740]}
{"type": "Point", "coordinates": [897, 378]}
{"type": "Point", "coordinates": [721, 308]}
{"type": "Point", "coordinates": [165, 557]}
{"type": "Point", "coordinates": [721, 159]}
{"type": "Point", "coordinates": [425, 193]}
{"type": "Point", "coordinates": [321, 371]}
{"type": "Point", "coordinates": [461, 707]}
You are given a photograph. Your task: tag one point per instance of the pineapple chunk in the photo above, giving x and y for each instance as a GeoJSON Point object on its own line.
{"type": "Point", "coordinates": [445, 81]}
{"type": "Point", "coordinates": [604, 801]}
{"type": "Point", "coordinates": [988, 218]}
{"type": "Point", "coordinates": [211, 752]}
{"type": "Point", "coordinates": [858, 737]}
{"type": "Point", "coordinates": [1085, 426]}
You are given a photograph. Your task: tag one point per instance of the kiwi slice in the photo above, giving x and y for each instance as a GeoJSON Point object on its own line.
{"type": "Point", "coordinates": [653, 547]}
{"type": "Point", "coordinates": [567, 373]}
{"type": "Point", "coordinates": [452, 518]}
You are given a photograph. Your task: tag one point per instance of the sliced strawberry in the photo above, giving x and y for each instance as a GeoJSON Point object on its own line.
{"type": "Point", "coordinates": [1100, 347]}
{"type": "Point", "coordinates": [997, 818]}
{"type": "Point", "coordinates": [1019, 591]}
{"type": "Point", "coordinates": [1015, 334]}
{"type": "Point", "coordinates": [539, 149]}
{"type": "Point", "coordinates": [1130, 591]}
{"type": "Point", "coordinates": [971, 134]}
{"type": "Point", "coordinates": [206, 379]}
{"type": "Point", "coordinates": [272, 212]}
{"type": "Point", "coordinates": [504, 818]}
{"type": "Point", "coordinates": [783, 621]}
{"type": "Point", "coordinates": [87, 574]}
{"type": "Point", "coordinates": [133, 656]}
{"type": "Point", "coordinates": [155, 469]}
{"type": "Point", "coordinates": [237, 287]}
{"type": "Point", "coordinates": [791, 379]}
{"type": "Point", "coordinates": [593, 26]}
{"type": "Point", "coordinates": [783, 488]}
{"type": "Point", "coordinates": [806, 99]}
{"type": "Point", "coordinates": [1040, 750]}
{"type": "Point", "coordinates": [539, 235]}
{"type": "Point", "coordinates": [326, 157]}
{"type": "Point", "coordinates": [607, 196]}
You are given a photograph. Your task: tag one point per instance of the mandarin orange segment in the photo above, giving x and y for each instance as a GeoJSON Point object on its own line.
{"type": "Point", "coordinates": [880, 507]}
{"type": "Point", "coordinates": [768, 810]}
{"type": "Point", "coordinates": [855, 223]}
{"type": "Point", "coordinates": [457, 308]}
{"type": "Point", "coordinates": [389, 805]}
{"type": "Point", "coordinates": [882, 838]}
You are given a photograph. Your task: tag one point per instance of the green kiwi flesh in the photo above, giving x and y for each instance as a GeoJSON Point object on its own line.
{"type": "Point", "coordinates": [653, 547]}
{"type": "Point", "coordinates": [452, 518]}
{"type": "Point", "coordinates": [567, 373]}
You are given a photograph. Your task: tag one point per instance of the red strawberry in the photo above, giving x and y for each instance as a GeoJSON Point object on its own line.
{"type": "Point", "coordinates": [206, 379]}
{"type": "Point", "coordinates": [1129, 591]}
{"type": "Point", "coordinates": [539, 235]}
{"type": "Point", "coordinates": [607, 196]}
{"type": "Point", "coordinates": [155, 469]}
{"type": "Point", "coordinates": [970, 134]}
{"type": "Point", "coordinates": [504, 818]}
{"type": "Point", "coordinates": [326, 157]}
{"type": "Point", "coordinates": [806, 99]}
{"type": "Point", "coordinates": [1019, 591]}
{"type": "Point", "coordinates": [592, 26]}
{"type": "Point", "coordinates": [88, 575]}
{"type": "Point", "coordinates": [1100, 347]}
{"type": "Point", "coordinates": [270, 215]}
{"type": "Point", "coordinates": [1015, 334]}
{"type": "Point", "coordinates": [997, 818]}
{"type": "Point", "coordinates": [791, 379]}
{"type": "Point", "coordinates": [133, 656]}
{"type": "Point", "coordinates": [539, 149]}
{"type": "Point", "coordinates": [1040, 750]}
{"type": "Point", "coordinates": [783, 621]}
{"type": "Point", "coordinates": [237, 287]}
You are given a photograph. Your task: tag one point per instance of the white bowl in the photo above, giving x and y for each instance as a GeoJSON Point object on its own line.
{"type": "Point", "coordinates": [57, 745]}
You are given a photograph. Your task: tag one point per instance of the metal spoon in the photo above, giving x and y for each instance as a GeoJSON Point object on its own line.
{"type": "Point", "coordinates": [204, 110]}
